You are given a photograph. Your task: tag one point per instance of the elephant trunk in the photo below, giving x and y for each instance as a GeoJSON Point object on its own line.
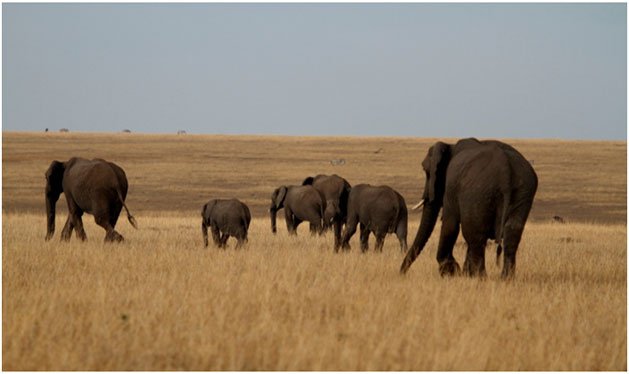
{"type": "Point", "coordinates": [51, 202]}
{"type": "Point", "coordinates": [332, 213]}
{"type": "Point", "coordinates": [204, 232]}
{"type": "Point", "coordinates": [273, 213]}
{"type": "Point", "coordinates": [427, 225]}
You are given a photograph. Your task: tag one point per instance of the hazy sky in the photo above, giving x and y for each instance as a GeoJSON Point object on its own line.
{"type": "Point", "coordinates": [434, 70]}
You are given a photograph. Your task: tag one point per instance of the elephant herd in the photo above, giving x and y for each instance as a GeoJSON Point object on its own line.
{"type": "Point", "coordinates": [485, 189]}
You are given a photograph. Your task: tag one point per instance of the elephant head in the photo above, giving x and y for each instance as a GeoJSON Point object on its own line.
{"type": "Point", "coordinates": [435, 165]}
{"type": "Point", "coordinates": [206, 215]}
{"type": "Point", "coordinates": [54, 188]}
{"type": "Point", "coordinates": [332, 210]}
{"type": "Point", "coordinates": [277, 203]}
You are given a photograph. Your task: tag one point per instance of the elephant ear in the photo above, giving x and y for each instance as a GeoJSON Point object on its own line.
{"type": "Point", "coordinates": [439, 159]}
{"type": "Point", "coordinates": [308, 181]}
{"type": "Point", "coordinates": [280, 195]}
{"type": "Point", "coordinates": [207, 210]}
{"type": "Point", "coordinates": [54, 175]}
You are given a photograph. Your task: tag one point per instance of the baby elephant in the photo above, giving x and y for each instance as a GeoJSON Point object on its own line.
{"type": "Point", "coordinates": [378, 209]}
{"type": "Point", "coordinates": [225, 217]}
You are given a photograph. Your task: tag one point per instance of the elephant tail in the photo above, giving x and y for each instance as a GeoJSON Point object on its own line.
{"type": "Point", "coordinates": [500, 236]}
{"type": "Point", "coordinates": [131, 219]}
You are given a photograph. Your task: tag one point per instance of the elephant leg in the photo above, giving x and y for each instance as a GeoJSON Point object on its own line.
{"type": "Point", "coordinates": [314, 230]}
{"type": "Point", "coordinates": [216, 235]}
{"type": "Point", "coordinates": [110, 234]}
{"type": "Point", "coordinates": [223, 243]}
{"type": "Point", "coordinates": [474, 264]}
{"type": "Point", "coordinates": [291, 221]}
{"type": "Point", "coordinates": [350, 230]}
{"type": "Point", "coordinates": [364, 238]}
{"type": "Point", "coordinates": [337, 235]}
{"type": "Point", "coordinates": [401, 233]}
{"type": "Point", "coordinates": [296, 223]}
{"type": "Point", "coordinates": [380, 235]}
{"type": "Point", "coordinates": [66, 233]}
{"type": "Point", "coordinates": [78, 227]}
{"type": "Point", "coordinates": [512, 234]}
{"type": "Point", "coordinates": [204, 233]}
{"type": "Point", "coordinates": [447, 239]}
{"type": "Point", "coordinates": [242, 239]}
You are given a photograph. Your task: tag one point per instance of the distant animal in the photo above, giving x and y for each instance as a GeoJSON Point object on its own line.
{"type": "Point", "coordinates": [558, 219]}
{"type": "Point", "coordinates": [97, 187]}
{"type": "Point", "coordinates": [300, 203]}
{"type": "Point", "coordinates": [64, 130]}
{"type": "Point", "coordinates": [335, 191]}
{"type": "Point", "coordinates": [486, 188]}
{"type": "Point", "coordinates": [181, 132]}
{"type": "Point", "coordinates": [225, 218]}
{"type": "Point", "coordinates": [378, 150]}
{"type": "Point", "coordinates": [46, 130]}
{"type": "Point", "coordinates": [336, 162]}
{"type": "Point", "coordinates": [126, 131]}
{"type": "Point", "coordinates": [378, 209]}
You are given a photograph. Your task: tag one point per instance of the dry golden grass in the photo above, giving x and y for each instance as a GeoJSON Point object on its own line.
{"type": "Point", "coordinates": [160, 301]}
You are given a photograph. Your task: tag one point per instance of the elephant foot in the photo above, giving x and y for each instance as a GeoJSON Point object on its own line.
{"type": "Point", "coordinates": [449, 268]}
{"type": "Point", "coordinates": [508, 272]}
{"type": "Point", "coordinates": [114, 237]}
{"type": "Point", "coordinates": [474, 270]}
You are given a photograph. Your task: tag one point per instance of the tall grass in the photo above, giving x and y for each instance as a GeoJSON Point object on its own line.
{"type": "Point", "coordinates": [160, 301]}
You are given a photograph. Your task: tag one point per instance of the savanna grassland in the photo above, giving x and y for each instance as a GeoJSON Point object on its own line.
{"type": "Point", "coordinates": [160, 301]}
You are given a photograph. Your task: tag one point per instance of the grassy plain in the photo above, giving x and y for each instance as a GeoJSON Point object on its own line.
{"type": "Point", "coordinates": [160, 301]}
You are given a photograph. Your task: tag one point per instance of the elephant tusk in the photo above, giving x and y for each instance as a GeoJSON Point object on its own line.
{"type": "Point", "coordinates": [419, 205]}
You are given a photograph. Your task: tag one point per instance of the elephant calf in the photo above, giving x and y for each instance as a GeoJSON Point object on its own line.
{"type": "Point", "coordinates": [225, 218]}
{"type": "Point", "coordinates": [335, 190]}
{"type": "Point", "coordinates": [300, 203]}
{"type": "Point", "coordinates": [378, 209]}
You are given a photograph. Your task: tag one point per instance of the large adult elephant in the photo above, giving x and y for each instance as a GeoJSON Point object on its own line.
{"type": "Point", "coordinates": [335, 190]}
{"type": "Point", "coordinates": [486, 188]}
{"type": "Point", "coordinates": [378, 209]}
{"type": "Point", "coordinates": [225, 218]}
{"type": "Point", "coordinates": [97, 187]}
{"type": "Point", "coordinates": [300, 203]}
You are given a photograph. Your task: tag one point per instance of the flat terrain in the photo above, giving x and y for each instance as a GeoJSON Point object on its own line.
{"type": "Point", "coordinates": [578, 180]}
{"type": "Point", "coordinates": [160, 301]}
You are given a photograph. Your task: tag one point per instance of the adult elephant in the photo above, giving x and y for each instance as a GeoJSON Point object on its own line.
{"type": "Point", "coordinates": [335, 191]}
{"type": "Point", "coordinates": [97, 187]}
{"type": "Point", "coordinates": [486, 188]}
{"type": "Point", "coordinates": [300, 203]}
{"type": "Point", "coordinates": [378, 209]}
{"type": "Point", "coordinates": [225, 218]}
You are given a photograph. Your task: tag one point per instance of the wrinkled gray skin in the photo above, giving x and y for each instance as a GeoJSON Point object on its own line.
{"type": "Point", "coordinates": [93, 186]}
{"type": "Point", "coordinates": [378, 209]}
{"type": "Point", "coordinates": [486, 188]}
{"type": "Point", "coordinates": [225, 218]}
{"type": "Point", "coordinates": [300, 203]}
{"type": "Point", "coordinates": [335, 190]}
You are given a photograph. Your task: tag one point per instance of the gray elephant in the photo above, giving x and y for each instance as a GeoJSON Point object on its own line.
{"type": "Point", "coordinates": [225, 218]}
{"type": "Point", "coordinates": [378, 209]}
{"type": "Point", "coordinates": [335, 190]}
{"type": "Point", "coordinates": [300, 203]}
{"type": "Point", "coordinates": [93, 186]}
{"type": "Point", "coordinates": [486, 188]}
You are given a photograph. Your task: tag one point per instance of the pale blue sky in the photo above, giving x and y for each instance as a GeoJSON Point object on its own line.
{"type": "Point", "coordinates": [426, 70]}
